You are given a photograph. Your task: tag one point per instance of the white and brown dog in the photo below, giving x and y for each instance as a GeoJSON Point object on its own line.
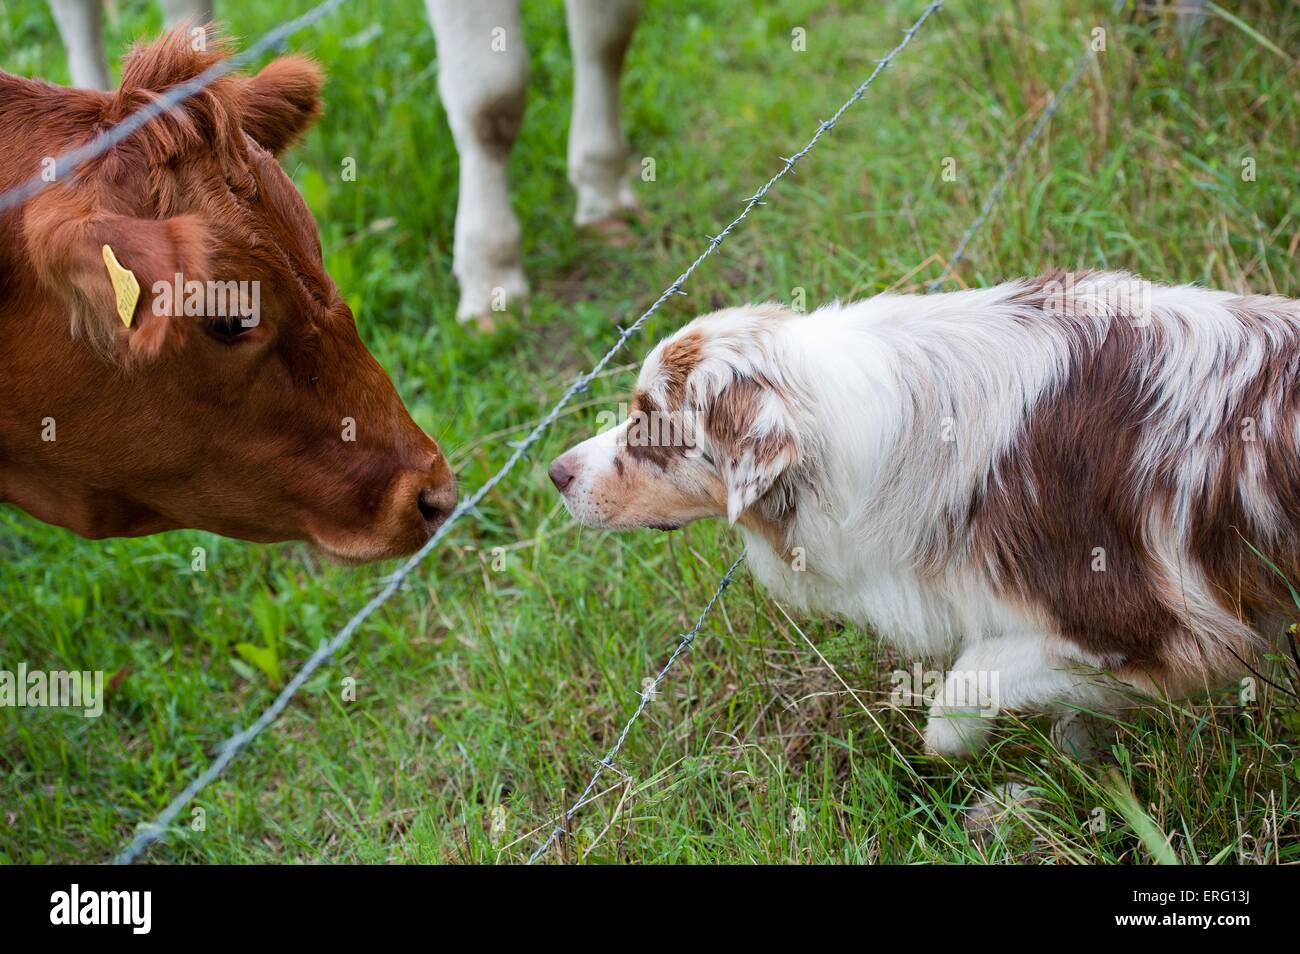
{"type": "Point", "coordinates": [1052, 481]}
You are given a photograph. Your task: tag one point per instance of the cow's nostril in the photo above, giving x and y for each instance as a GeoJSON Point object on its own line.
{"type": "Point", "coordinates": [435, 505]}
{"type": "Point", "coordinates": [560, 474]}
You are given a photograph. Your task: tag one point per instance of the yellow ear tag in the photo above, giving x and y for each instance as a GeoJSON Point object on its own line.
{"type": "Point", "coordinates": [125, 287]}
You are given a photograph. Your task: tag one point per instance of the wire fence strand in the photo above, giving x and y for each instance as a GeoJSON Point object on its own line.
{"type": "Point", "coordinates": [236, 743]}
{"type": "Point", "coordinates": [73, 159]}
{"type": "Point", "coordinates": [683, 644]}
{"type": "Point", "coordinates": [1000, 185]}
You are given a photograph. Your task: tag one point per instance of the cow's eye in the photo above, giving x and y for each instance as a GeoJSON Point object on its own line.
{"type": "Point", "coordinates": [226, 329]}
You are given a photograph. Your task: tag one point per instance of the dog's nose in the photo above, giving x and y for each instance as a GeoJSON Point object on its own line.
{"type": "Point", "coordinates": [560, 474]}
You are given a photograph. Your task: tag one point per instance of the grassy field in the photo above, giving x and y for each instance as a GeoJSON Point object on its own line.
{"type": "Point", "coordinates": [484, 694]}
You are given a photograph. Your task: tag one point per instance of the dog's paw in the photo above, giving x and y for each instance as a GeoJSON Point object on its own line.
{"type": "Point", "coordinates": [956, 733]}
{"type": "Point", "coordinates": [1082, 737]}
{"type": "Point", "coordinates": [994, 812]}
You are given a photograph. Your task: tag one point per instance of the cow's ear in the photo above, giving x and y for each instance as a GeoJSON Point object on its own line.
{"type": "Point", "coordinates": [281, 102]}
{"type": "Point", "coordinates": [134, 279]}
{"type": "Point", "coordinates": [753, 439]}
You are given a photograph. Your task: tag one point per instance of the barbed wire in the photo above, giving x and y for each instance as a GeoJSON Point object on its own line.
{"type": "Point", "coordinates": [648, 693]}
{"type": "Point", "coordinates": [236, 743]}
{"type": "Point", "coordinates": [173, 97]}
{"type": "Point", "coordinates": [999, 186]}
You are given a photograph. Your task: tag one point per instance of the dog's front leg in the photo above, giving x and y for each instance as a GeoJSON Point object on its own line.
{"type": "Point", "coordinates": [1012, 672]}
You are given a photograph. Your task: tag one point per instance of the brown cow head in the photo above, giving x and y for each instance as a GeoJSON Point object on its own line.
{"type": "Point", "coordinates": [239, 399]}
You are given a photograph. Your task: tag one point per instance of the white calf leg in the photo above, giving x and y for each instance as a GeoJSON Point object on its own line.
{"type": "Point", "coordinates": [79, 26]}
{"type": "Point", "coordinates": [1008, 673]}
{"type": "Point", "coordinates": [599, 32]}
{"type": "Point", "coordinates": [191, 12]}
{"type": "Point", "coordinates": [483, 75]}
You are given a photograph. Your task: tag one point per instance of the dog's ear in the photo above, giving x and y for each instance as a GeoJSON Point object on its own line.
{"type": "Point", "coordinates": [753, 438]}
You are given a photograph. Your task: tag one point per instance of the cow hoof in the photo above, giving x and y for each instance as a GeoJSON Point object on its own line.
{"type": "Point", "coordinates": [489, 322]}
{"type": "Point", "coordinates": [482, 300]}
{"type": "Point", "coordinates": [601, 205]}
{"type": "Point", "coordinates": [613, 231]}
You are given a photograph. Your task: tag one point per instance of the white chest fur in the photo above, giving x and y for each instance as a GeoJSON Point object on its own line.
{"type": "Point", "coordinates": [921, 617]}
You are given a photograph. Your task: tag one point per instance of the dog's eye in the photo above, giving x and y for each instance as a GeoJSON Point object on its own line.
{"type": "Point", "coordinates": [226, 328]}
{"type": "Point", "coordinates": [706, 458]}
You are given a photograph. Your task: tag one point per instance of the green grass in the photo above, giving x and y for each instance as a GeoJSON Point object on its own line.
{"type": "Point", "coordinates": [488, 694]}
